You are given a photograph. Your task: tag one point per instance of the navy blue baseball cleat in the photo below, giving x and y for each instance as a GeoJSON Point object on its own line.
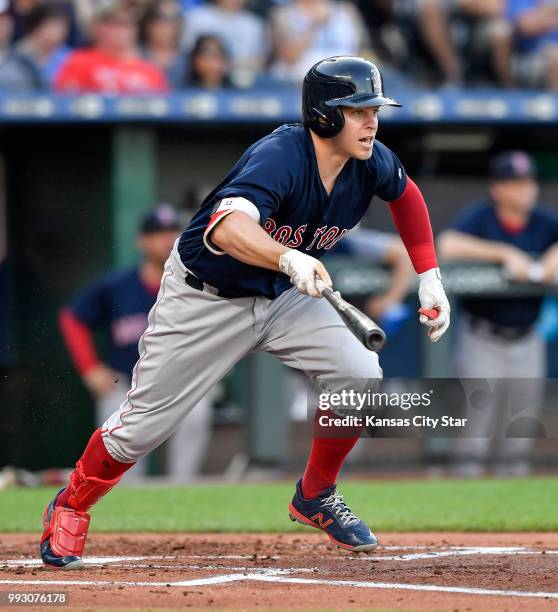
{"type": "Point", "coordinates": [63, 540]}
{"type": "Point", "coordinates": [331, 514]}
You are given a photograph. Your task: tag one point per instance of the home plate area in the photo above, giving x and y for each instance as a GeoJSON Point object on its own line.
{"type": "Point", "coordinates": [240, 571]}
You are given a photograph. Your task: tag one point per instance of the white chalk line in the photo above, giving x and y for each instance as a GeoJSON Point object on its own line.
{"type": "Point", "coordinates": [91, 561]}
{"type": "Point", "coordinates": [116, 583]}
{"type": "Point", "coordinates": [446, 551]}
{"type": "Point", "coordinates": [275, 576]}
{"type": "Point", "coordinates": [456, 552]}
{"type": "Point", "coordinates": [282, 575]}
{"type": "Point", "coordinates": [403, 586]}
{"type": "Point", "coordinates": [169, 583]}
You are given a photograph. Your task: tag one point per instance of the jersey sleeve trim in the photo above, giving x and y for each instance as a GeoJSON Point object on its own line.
{"type": "Point", "coordinates": [225, 207]}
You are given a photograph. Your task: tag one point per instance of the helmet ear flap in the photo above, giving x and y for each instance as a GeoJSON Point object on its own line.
{"type": "Point", "coordinates": [323, 120]}
{"type": "Point", "coordinates": [325, 124]}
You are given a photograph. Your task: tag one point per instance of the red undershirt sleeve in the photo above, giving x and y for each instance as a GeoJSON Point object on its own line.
{"type": "Point", "coordinates": [79, 340]}
{"type": "Point", "coordinates": [411, 218]}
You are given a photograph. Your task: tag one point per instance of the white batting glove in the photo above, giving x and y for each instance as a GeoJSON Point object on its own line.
{"type": "Point", "coordinates": [432, 296]}
{"type": "Point", "coordinates": [304, 271]}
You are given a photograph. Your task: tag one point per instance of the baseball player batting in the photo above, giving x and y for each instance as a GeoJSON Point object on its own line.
{"type": "Point", "coordinates": [243, 278]}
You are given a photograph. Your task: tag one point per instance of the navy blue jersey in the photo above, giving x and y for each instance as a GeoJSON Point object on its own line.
{"type": "Point", "coordinates": [279, 175]}
{"type": "Point", "coordinates": [535, 238]}
{"type": "Point", "coordinates": [119, 303]}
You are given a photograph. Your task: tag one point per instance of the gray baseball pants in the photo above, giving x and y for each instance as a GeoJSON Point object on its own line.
{"type": "Point", "coordinates": [186, 448]}
{"type": "Point", "coordinates": [194, 338]}
{"type": "Point", "coordinates": [522, 362]}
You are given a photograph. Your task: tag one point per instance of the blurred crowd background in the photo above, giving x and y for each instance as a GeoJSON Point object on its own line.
{"type": "Point", "coordinates": [154, 46]}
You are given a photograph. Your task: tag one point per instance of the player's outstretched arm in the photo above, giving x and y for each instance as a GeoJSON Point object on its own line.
{"type": "Point", "coordinates": [244, 239]}
{"type": "Point", "coordinates": [410, 216]}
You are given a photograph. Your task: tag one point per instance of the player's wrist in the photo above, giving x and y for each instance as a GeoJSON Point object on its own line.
{"type": "Point", "coordinates": [428, 275]}
{"type": "Point", "coordinates": [287, 257]}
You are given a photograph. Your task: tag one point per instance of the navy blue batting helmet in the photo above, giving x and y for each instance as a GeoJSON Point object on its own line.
{"type": "Point", "coordinates": [340, 81]}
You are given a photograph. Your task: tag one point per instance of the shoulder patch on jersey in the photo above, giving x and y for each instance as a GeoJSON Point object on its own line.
{"type": "Point", "coordinates": [224, 208]}
{"type": "Point", "coordinates": [238, 203]}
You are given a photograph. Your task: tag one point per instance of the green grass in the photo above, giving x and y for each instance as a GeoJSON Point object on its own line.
{"type": "Point", "coordinates": [444, 505]}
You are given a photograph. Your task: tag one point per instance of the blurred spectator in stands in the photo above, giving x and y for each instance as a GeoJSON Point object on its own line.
{"type": "Point", "coordinates": [306, 31]}
{"type": "Point", "coordinates": [263, 7]}
{"type": "Point", "coordinates": [160, 32]}
{"type": "Point", "coordinates": [17, 73]}
{"type": "Point", "coordinates": [243, 33]}
{"type": "Point", "coordinates": [87, 10]}
{"type": "Point", "coordinates": [386, 39]}
{"type": "Point", "coordinates": [497, 337]}
{"type": "Point", "coordinates": [113, 64]}
{"type": "Point", "coordinates": [119, 303]}
{"type": "Point", "coordinates": [462, 36]}
{"type": "Point", "coordinates": [20, 9]}
{"type": "Point", "coordinates": [208, 65]}
{"type": "Point", "coordinates": [85, 13]}
{"type": "Point", "coordinates": [44, 45]}
{"type": "Point", "coordinates": [23, 9]}
{"type": "Point", "coordinates": [528, 47]}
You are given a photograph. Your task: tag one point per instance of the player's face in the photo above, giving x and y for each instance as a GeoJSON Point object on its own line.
{"type": "Point", "coordinates": [356, 139]}
{"type": "Point", "coordinates": [518, 194]}
{"type": "Point", "coordinates": [157, 246]}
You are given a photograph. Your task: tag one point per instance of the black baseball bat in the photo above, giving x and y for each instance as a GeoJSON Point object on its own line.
{"type": "Point", "coordinates": [369, 333]}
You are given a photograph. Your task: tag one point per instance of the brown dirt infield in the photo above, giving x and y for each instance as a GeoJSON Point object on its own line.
{"type": "Point", "coordinates": [247, 571]}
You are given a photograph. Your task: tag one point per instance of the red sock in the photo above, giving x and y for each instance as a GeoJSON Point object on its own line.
{"type": "Point", "coordinates": [326, 457]}
{"type": "Point", "coordinates": [96, 461]}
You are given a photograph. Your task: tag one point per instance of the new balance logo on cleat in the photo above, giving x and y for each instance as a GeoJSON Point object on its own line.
{"type": "Point", "coordinates": [319, 518]}
{"type": "Point", "coordinates": [330, 513]}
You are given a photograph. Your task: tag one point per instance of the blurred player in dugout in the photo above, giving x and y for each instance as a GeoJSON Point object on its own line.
{"type": "Point", "coordinates": [497, 338]}
{"type": "Point", "coordinates": [118, 303]}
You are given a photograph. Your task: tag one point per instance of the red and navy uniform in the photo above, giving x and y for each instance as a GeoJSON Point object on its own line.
{"type": "Point", "coordinates": [279, 175]}
{"type": "Point", "coordinates": [117, 302]}
{"type": "Point", "coordinates": [535, 237]}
